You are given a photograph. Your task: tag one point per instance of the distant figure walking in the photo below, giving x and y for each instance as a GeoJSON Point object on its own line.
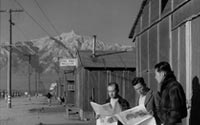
{"type": "Point", "coordinates": [49, 96]}
{"type": "Point", "coordinates": [61, 100]}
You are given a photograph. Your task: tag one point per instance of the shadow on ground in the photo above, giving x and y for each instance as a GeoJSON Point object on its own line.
{"type": "Point", "coordinates": [93, 123]}
{"type": "Point", "coordinates": [47, 110]}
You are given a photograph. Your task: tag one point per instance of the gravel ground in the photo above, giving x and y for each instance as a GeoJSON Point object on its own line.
{"type": "Point", "coordinates": [35, 112]}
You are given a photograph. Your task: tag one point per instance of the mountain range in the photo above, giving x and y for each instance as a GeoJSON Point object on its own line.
{"type": "Point", "coordinates": [43, 54]}
{"type": "Point", "coordinates": [47, 50]}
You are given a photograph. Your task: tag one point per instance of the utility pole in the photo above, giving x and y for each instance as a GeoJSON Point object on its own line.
{"type": "Point", "coordinates": [29, 75]}
{"type": "Point", "coordinates": [36, 88]}
{"type": "Point", "coordinates": [59, 81]}
{"type": "Point", "coordinates": [9, 80]}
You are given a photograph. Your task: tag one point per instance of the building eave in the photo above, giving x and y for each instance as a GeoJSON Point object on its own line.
{"type": "Point", "coordinates": [132, 32]}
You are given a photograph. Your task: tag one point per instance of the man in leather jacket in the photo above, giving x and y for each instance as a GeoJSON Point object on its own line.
{"type": "Point", "coordinates": [171, 97]}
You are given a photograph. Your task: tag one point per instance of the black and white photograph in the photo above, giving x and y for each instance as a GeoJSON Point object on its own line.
{"type": "Point", "coordinates": [58, 57]}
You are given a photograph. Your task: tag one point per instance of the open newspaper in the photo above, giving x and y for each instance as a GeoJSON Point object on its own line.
{"type": "Point", "coordinates": [135, 116]}
{"type": "Point", "coordinates": [106, 111]}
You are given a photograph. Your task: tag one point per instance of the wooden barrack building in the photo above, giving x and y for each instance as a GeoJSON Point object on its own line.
{"type": "Point", "coordinates": [168, 30]}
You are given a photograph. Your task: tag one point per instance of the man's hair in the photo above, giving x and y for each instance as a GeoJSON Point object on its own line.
{"type": "Point", "coordinates": [163, 66]}
{"type": "Point", "coordinates": [114, 84]}
{"type": "Point", "coordinates": [137, 80]}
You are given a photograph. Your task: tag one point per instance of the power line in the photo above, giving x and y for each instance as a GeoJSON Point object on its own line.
{"type": "Point", "coordinates": [47, 17]}
{"type": "Point", "coordinates": [33, 18]}
{"type": "Point", "coordinates": [20, 30]}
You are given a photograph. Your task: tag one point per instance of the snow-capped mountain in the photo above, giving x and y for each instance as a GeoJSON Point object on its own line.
{"type": "Point", "coordinates": [43, 55]}
{"type": "Point", "coordinates": [46, 51]}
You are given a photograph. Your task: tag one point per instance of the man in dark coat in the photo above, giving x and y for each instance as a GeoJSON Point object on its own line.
{"type": "Point", "coordinates": [172, 99]}
{"type": "Point", "coordinates": [146, 97]}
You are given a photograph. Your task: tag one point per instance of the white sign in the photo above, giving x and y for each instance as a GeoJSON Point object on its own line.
{"type": "Point", "coordinates": [68, 62]}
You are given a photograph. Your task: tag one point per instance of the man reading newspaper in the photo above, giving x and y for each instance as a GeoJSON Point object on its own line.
{"type": "Point", "coordinates": [134, 116]}
{"type": "Point", "coordinates": [147, 97]}
{"type": "Point", "coordinates": [114, 104]}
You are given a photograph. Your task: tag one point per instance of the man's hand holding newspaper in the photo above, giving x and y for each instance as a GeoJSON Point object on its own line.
{"type": "Point", "coordinates": [135, 116]}
{"type": "Point", "coordinates": [105, 113]}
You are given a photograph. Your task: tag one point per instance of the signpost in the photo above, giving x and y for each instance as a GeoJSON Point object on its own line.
{"type": "Point", "coordinates": [68, 62]}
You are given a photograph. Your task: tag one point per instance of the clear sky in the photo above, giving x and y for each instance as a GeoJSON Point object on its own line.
{"type": "Point", "coordinates": [110, 20]}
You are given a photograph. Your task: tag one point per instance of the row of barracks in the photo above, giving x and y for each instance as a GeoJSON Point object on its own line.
{"type": "Point", "coordinates": [89, 79]}
{"type": "Point", "coordinates": [168, 30]}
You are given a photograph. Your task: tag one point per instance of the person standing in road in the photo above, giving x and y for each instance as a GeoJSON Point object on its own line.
{"type": "Point", "coordinates": [172, 99]}
{"type": "Point", "coordinates": [49, 96]}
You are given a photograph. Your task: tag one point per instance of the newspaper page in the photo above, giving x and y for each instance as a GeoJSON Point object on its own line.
{"type": "Point", "coordinates": [104, 121]}
{"type": "Point", "coordinates": [103, 110]}
{"type": "Point", "coordinates": [107, 112]}
{"type": "Point", "coordinates": [136, 116]}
